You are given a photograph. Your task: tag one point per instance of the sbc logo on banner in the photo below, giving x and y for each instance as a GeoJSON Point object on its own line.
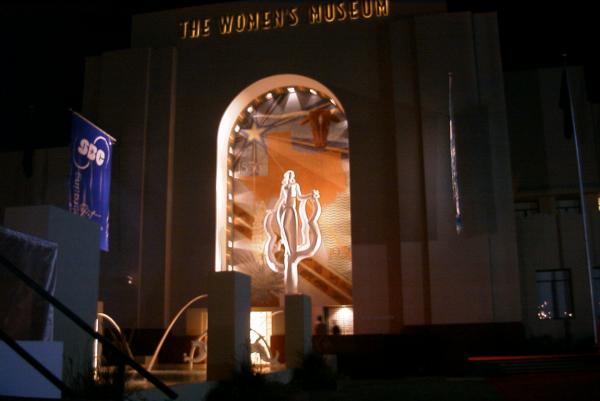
{"type": "Point", "coordinates": [89, 183]}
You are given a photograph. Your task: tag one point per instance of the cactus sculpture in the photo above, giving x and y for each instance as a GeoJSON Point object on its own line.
{"type": "Point", "coordinates": [288, 225]}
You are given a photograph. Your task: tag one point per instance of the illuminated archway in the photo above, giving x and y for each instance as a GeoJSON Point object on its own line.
{"type": "Point", "coordinates": [280, 123]}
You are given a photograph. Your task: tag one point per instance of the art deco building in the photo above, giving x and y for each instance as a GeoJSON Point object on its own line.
{"type": "Point", "coordinates": [211, 106]}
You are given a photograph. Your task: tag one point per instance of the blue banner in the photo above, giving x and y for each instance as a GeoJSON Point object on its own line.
{"type": "Point", "coordinates": [89, 182]}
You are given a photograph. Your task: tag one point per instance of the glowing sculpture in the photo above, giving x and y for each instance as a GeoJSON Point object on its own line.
{"type": "Point", "coordinates": [199, 345]}
{"type": "Point", "coordinates": [300, 240]}
{"type": "Point", "coordinates": [261, 347]}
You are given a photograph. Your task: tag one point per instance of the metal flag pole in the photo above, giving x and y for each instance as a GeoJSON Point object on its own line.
{"type": "Point", "coordinates": [453, 162]}
{"type": "Point", "coordinates": [586, 234]}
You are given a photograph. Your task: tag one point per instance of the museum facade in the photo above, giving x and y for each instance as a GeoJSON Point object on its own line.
{"type": "Point", "coordinates": [307, 144]}
{"type": "Point", "coordinates": [212, 105]}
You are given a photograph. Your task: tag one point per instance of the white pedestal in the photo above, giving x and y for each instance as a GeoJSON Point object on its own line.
{"type": "Point", "coordinates": [228, 324]}
{"type": "Point", "coordinates": [298, 329]}
{"type": "Point", "coordinates": [19, 379]}
{"type": "Point", "coordinates": [77, 271]}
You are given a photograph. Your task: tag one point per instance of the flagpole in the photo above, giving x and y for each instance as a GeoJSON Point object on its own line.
{"type": "Point", "coordinates": [453, 163]}
{"type": "Point", "coordinates": [93, 125]}
{"type": "Point", "coordinates": [586, 235]}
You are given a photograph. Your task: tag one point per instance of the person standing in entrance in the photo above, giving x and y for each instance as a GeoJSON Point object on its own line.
{"type": "Point", "coordinates": [335, 330]}
{"type": "Point", "coordinates": [320, 328]}
{"type": "Point", "coordinates": [320, 333]}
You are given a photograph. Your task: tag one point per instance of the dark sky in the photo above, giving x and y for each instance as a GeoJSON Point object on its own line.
{"type": "Point", "coordinates": [44, 45]}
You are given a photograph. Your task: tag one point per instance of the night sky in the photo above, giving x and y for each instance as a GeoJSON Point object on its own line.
{"type": "Point", "coordinates": [44, 45]}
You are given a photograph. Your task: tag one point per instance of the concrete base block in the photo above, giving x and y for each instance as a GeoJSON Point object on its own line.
{"type": "Point", "coordinates": [298, 329]}
{"type": "Point", "coordinates": [19, 379]}
{"type": "Point", "coordinates": [77, 276]}
{"type": "Point", "coordinates": [228, 324]}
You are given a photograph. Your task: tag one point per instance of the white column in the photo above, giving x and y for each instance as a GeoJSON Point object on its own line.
{"type": "Point", "coordinates": [228, 324]}
{"type": "Point", "coordinates": [298, 329]}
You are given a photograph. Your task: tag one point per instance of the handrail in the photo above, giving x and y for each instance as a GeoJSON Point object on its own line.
{"type": "Point", "coordinates": [85, 327]}
{"type": "Point", "coordinates": [96, 349]}
{"type": "Point", "coordinates": [173, 321]}
{"type": "Point", "coordinates": [110, 320]}
{"type": "Point", "coordinates": [66, 391]}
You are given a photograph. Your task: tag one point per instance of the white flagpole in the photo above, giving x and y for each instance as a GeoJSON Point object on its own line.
{"type": "Point", "coordinates": [586, 235]}
{"type": "Point", "coordinates": [453, 161]}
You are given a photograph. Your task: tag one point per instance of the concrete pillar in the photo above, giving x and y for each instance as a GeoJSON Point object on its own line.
{"type": "Point", "coordinates": [228, 324]}
{"type": "Point", "coordinates": [298, 329]}
{"type": "Point", "coordinates": [77, 272]}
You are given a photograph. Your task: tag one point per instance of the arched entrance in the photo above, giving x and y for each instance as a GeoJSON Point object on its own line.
{"type": "Point", "coordinates": [282, 123]}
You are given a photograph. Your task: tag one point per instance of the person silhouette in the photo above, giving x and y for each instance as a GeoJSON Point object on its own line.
{"type": "Point", "coordinates": [335, 330]}
{"type": "Point", "coordinates": [320, 334]}
{"type": "Point", "coordinates": [320, 328]}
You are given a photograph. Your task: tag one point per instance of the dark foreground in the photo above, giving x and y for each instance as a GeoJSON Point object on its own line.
{"type": "Point", "coordinates": [584, 386]}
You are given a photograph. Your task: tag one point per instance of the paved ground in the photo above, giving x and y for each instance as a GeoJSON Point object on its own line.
{"type": "Point", "coordinates": [527, 387]}
{"type": "Point", "coordinates": [584, 386]}
{"type": "Point", "coordinates": [409, 389]}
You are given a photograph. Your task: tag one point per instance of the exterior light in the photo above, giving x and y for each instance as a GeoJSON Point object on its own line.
{"type": "Point", "coordinates": [291, 90]}
{"type": "Point", "coordinates": [269, 96]}
{"type": "Point", "coordinates": [314, 92]}
{"type": "Point", "coordinates": [230, 244]}
{"type": "Point", "coordinates": [250, 109]}
{"type": "Point", "coordinates": [230, 196]}
{"type": "Point", "coordinates": [237, 128]}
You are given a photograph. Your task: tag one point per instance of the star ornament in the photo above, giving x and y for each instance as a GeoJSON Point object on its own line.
{"type": "Point", "coordinates": [254, 134]}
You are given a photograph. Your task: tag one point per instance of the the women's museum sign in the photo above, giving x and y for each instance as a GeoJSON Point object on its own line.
{"type": "Point", "coordinates": [280, 18]}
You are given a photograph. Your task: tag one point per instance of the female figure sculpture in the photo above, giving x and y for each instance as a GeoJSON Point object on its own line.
{"type": "Point", "coordinates": [288, 225]}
